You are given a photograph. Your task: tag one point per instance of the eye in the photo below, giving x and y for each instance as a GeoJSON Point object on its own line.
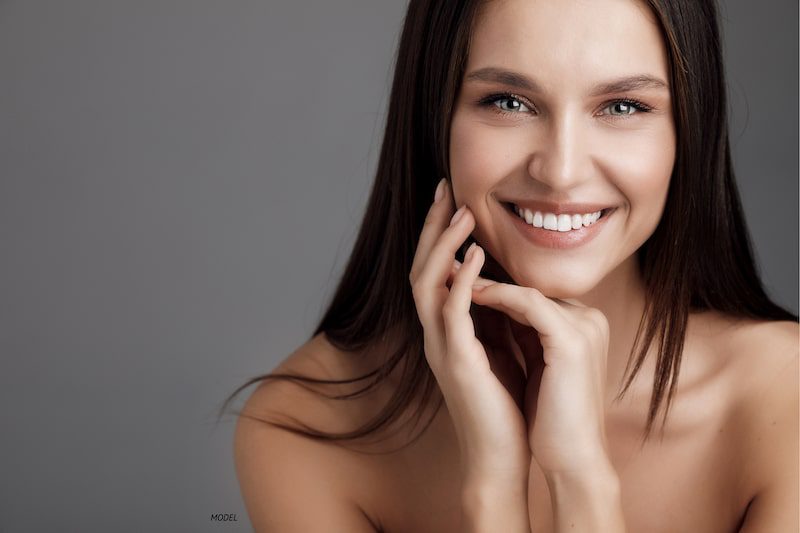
{"type": "Point", "coordinates": [626, 107]}
{"type": "Point", "coordinates": [506, 104]}
{"type": "Point", "coordinates": [495, 103]}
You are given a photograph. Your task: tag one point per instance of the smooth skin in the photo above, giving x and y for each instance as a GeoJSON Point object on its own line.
{"type": "Point", "coordinates": [490, 428]}
{"type": "Point", "coordinates": [562, 142]}
{"type": "Point", "coordinates": [489, 424]}
{"type": "Point", "coordinates": [536, 348]}
{"type": "Point", "coordinates": [565, 352]}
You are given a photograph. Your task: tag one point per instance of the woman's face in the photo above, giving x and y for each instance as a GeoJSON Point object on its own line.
{"type": "Point", "coordinates": [565, 134]}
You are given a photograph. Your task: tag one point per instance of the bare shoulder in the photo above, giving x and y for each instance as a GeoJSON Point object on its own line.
{"type": "Point", "coordinates": [759, 355]}
{"type": "Point", "coordinates": [291, 482]}
{"type": "Point", "coordinates": [767, 355]}
{"type": "Point", "coordinates": [762, 351]}
{"type": "Point", "coordinates": [777, 338]}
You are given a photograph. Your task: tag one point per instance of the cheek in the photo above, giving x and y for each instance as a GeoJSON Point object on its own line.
{"type": "Point", "coordinates": [479, 158]}
{"type": "Point", "coordinates": [643, 178]}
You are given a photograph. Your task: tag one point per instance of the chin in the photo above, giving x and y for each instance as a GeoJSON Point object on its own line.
{"type": "Point", "coordinates": [558, 287]}
{"type": "Point", "coordinates": [567, 282]}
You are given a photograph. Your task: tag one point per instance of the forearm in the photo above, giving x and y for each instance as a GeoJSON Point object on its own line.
{"type": "Point", "coordinates": [487, 509]}
{"type": "Point", "coordinates": [586, 502]}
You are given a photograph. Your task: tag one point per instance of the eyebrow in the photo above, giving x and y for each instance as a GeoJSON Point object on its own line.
{"type": "Point", "coordinates": [521, 81]}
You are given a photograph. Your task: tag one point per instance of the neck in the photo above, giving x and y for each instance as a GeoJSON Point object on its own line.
{"type": "Point", "coordinates": [621, 298]}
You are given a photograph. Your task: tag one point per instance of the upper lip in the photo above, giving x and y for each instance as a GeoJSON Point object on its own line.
{"type": "Point", "coordinates": [558, 208]}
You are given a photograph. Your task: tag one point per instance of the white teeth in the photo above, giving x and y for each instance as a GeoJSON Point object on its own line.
{"type": "Point", "coordinates": [562, 222]}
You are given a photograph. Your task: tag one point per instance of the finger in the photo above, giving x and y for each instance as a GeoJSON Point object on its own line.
{"type": "Point", "coordinates": [525, 305]}
{"type": "Point", "coordinates": [427, 300]}
{"type": "Point", "coordinates": [453, 270]}
{"type": "Point", "coordinates": [429, 288]}
{"type": "Point", "coordinates": [446, 245]}
{"type": "Point", "coordinates": [458, 325]}
{"type": "Point", "coordinates": [435, 223]}
{"type": "Point", "coordinates": [564, 303]}
{"type": "Point", "coordinates": [570, 302]}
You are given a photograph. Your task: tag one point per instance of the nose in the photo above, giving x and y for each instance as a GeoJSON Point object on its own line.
{"type": "Point", "coordinates": [559, 157]}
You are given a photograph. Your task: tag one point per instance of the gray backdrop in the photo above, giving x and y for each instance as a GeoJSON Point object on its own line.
{"type": "Point", "coordinates": [181, 183]}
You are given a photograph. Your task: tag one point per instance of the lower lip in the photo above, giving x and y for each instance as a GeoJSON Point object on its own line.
{"type": "Point", "coordinates": [559, 239]}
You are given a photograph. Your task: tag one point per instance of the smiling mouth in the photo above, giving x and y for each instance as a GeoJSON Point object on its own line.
{"type": "Point", "coordinates": [540, 218]}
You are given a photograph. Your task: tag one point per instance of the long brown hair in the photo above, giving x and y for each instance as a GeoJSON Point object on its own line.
{"type": "Point", "coordinates": [699, 256]}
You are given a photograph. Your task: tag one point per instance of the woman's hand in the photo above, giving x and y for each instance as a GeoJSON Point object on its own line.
{"type": "Point", "coordinates": [489, 423]}
{"type": "Point", "coordinates": [565, 346]}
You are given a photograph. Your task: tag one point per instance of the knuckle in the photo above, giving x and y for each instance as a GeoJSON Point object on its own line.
{"type": "Point", "coordinates": [532, 293]}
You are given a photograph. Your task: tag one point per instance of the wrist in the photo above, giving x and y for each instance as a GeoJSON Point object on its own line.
{"type": "Point", "coordinates": [601, 480]}
{"type": "Point", "coordinates": [591, 469]}
{"type": "Point", "coordinates": [481, 495]}
{"type": "Point", "coordinates": [586, 497]}
{"type": "Point", "coordinates": [482, 479]}
{"type": "Point", "coordinates": [489, 508]}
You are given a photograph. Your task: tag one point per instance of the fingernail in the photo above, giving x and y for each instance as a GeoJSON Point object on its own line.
{"type": "Point", "coordinates": [456, 264]}
{"type": "Point", "coordinates": [439, 191]}
{"type": "Point", "coordinates": [457, 215]}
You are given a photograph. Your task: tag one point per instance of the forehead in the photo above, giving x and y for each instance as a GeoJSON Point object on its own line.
{"type": "Point", "coordinates": [568, 41]}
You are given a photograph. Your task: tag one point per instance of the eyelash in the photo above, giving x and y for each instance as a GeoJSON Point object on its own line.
{"type": "Point", "coordinates": [489, 101]}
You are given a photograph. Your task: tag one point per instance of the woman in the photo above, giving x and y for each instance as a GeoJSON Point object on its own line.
{"type": "Point", "coordinates": [586, 246]}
